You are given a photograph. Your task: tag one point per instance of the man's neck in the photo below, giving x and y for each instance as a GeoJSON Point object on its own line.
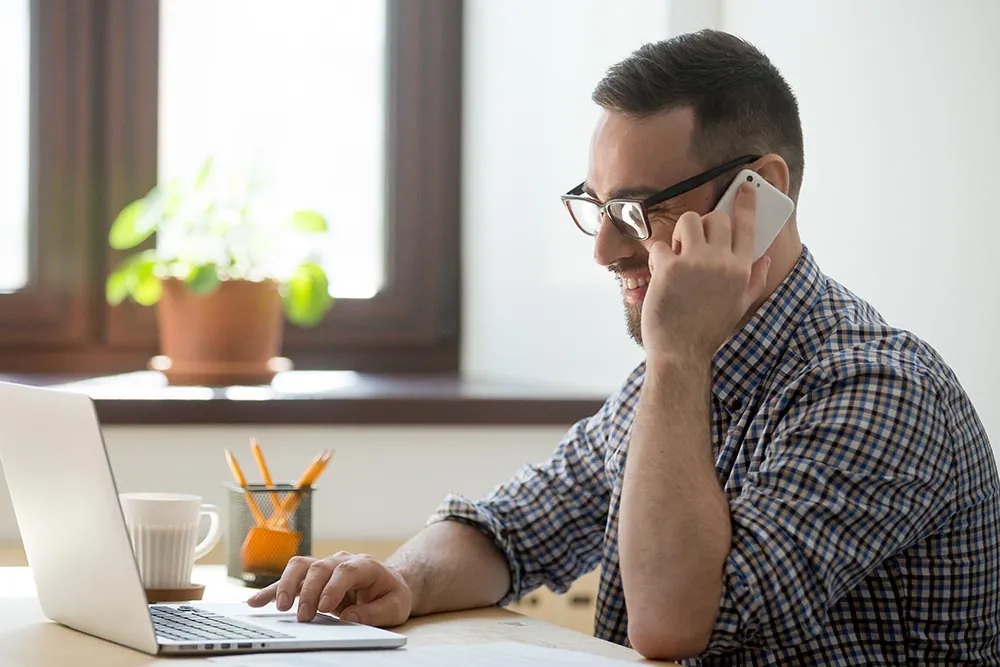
{"type": "Point", "coordinates": [784, 254]}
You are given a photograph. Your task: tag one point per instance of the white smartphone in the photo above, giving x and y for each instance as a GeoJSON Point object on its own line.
{"type": "Point", "coordinates": [773, 208]}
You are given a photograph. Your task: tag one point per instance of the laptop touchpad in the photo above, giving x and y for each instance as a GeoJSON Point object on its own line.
{"type": "Point", "coordinates": [319, 619]}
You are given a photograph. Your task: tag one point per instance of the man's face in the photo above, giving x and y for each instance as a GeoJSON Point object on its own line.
{"type": "Point", "coordinates": [637, 158]}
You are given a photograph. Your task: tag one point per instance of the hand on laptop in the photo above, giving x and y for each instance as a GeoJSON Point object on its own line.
{"type": "Point", "coordinates": [355, 587]}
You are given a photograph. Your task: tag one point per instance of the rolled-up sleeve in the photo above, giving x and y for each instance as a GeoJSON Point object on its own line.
{"type": "Point", "coordinates": [857, 468]}
{"type": "Point", "coordinates": [549, 519]}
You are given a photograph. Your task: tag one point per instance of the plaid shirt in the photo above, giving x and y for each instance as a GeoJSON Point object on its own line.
{"type": "Point", "coordinates": [862, 492]}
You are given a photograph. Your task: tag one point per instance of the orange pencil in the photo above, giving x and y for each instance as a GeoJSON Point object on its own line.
{"type": "Point", "coordinates": [258, 454]}
{"type": "Point", "coordinates": [241, 480]}
{"type": "Point", "coordinates": [315, 470]}
{"type": "Point", "coordinates": [308, 478]}
{"type": "Point", "coordinates": [310, 470]}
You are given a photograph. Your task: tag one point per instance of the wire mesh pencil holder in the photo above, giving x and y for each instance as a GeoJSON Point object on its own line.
{"type": "Point", "coordinates": [267, 526]}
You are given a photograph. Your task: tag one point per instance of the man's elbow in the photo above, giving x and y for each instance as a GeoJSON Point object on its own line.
{"type": "Point", "coordinates": [656, 640]}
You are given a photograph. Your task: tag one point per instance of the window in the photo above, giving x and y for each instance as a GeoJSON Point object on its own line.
{"type": "Point", "coordinates": [44, 303]}
{"type": "Point", "coordinates": [353, 106]}
{"type": "Point", "coordinates": [15, 29]}
{"type": "Point", "coordinates": [324, 69]}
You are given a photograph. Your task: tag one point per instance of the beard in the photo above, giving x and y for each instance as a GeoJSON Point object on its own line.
{"type": "Point", "coordinates": [633, 312]}
{"type": "Point", "coordinates": [633, 322]}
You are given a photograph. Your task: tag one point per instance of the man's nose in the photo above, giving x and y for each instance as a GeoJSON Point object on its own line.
{"type": "Point", "coordinates": [610, 245]}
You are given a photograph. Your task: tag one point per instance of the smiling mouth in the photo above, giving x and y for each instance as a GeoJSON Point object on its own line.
{"type": "Point", "coordinates": [634, 289]}
{"type": "Point", "coordinates": [634, 283]}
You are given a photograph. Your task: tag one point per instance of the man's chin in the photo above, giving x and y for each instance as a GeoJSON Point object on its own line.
{"type": "Point", "coordinates": [633, 322]}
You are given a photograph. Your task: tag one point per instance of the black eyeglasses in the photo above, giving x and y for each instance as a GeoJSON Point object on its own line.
{"type": "Point", "coordinates": [630, 216]}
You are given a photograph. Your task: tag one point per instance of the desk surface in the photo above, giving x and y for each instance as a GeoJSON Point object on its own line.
{"type": "Point", "coordinates": [28, 639]}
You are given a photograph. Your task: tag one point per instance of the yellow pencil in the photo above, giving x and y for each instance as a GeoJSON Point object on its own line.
{"type": "Point", "coordinates": [242, 481]}
{"type": "Point", "coordinates": [258, 454]}
{"type": "Point", "coordinates": [308, 478]}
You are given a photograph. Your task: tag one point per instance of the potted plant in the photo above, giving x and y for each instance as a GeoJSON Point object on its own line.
{"type": "Point", "coordinates": [226, 271]}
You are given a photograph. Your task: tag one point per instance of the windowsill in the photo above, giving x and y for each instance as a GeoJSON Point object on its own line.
{"type": "Point", "coordinates": [326, 397]}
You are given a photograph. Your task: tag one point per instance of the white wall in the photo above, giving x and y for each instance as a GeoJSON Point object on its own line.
{"type": "Point", "coordinates": [536, 307]}
{"type": "Point", "coordinates": [900, 102]}
{"type": "Point", "coordinates": [382, 483]}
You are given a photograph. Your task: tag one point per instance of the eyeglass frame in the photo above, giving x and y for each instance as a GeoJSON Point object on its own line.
{"type": "Point", "coordinates": [647, 203]}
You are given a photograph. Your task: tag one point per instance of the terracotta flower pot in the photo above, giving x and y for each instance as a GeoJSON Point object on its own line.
{"type": "Point", "coordinates": [231, 336]}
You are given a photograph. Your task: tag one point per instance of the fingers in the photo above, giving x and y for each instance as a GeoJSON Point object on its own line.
{"type": "Point", "coordinates": [384, 612]}
{"type": "Point", "coordinates": [718, 229]}
{"type": "Point", "coordinates": [320, 572]}
{"type": "Point", "coordinates": [744, 208]}
{"type": "Point", "coordinates": [692, 230]}
{"type": "Point", "coordinates": [351, 575]}
{"type": "Point", "coordinates": [758, 280]}
{"type": "Point", "coordinates": [659, 255]}
{"type": "Point", "coordinates": [343, 581]}
{"type": "Point", "coordinates": [283, 591]}
{"type": "Point", "coordinates": [689, 231]}
{"type": "Point", "coordinates": [264, 596]}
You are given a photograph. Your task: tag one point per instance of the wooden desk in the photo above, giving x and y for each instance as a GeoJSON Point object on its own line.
{"type": "Point", "coordinates": [28, 639]}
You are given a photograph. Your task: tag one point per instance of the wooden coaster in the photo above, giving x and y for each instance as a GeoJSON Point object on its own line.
{"type": "Point", "coordinates": [194, 592]}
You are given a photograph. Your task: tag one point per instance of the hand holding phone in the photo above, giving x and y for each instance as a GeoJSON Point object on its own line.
{"type": "Point", "coordinates": [691, 305]}
{"type": "Point", "coordinates": [772, 212]}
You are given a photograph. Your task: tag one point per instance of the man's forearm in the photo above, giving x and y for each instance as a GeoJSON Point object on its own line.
{"type": "Point", "coordinates": [674, 532]}
{"type": "Point", "coordinates": [451, 566]}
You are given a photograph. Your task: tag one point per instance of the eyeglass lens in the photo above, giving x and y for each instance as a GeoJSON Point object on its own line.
{"type": "Point", "coordinates": [625, 215]}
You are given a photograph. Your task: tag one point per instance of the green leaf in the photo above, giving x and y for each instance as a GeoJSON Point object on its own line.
{"type": "Point", "coordinates": [148, 288]}
{"type": "Point", "coordinates": [307, 295]}
{"type": "Point", "coordinates": [132, 226]}
{"type": "Point", "coordinates": [203, 173]}
{"type": "Point", "coordinates": [117, 287]}
{"type": "Point", "coordinates": [308, 221]}
{"type": "Point", "coordinates": [203, 279]}
{"type": "Point", "coordinates": [170, 194]}
{"type": "Point", "coordinates": [135, 277]}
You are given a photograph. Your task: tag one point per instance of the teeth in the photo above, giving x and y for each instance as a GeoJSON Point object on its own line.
{"type": "Point", "coordinates": [633, 283]}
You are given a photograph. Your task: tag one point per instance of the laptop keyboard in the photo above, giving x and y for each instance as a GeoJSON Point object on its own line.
{"type": "Point", "coordinates": [185, 623]}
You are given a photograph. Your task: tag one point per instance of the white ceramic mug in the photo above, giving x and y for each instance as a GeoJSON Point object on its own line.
{"type": "Point", "coordinates": [163, 528]}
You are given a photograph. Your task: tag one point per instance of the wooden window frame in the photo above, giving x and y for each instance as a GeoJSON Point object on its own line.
{"type": "Point", "coordinates": [94, 87]}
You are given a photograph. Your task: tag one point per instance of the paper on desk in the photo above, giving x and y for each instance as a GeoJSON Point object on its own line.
{"type": "Point", "coordinates": [500, 654]}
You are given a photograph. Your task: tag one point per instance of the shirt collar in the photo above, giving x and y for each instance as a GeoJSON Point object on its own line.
{"type": "Point", "coordinates": [746, 358]}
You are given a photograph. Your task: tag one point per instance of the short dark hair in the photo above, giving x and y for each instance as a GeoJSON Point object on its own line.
{"type": "Point", "coordinates": [741, 103]}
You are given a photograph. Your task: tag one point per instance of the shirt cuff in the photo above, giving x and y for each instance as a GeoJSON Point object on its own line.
{"type": "Point", "coordinates": [734, 630]}
{"type": "Point", "coordinates": [459, 509]}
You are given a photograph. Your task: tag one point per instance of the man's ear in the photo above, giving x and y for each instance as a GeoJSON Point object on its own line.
{"type": "Point", "coordinates": [774, 169]}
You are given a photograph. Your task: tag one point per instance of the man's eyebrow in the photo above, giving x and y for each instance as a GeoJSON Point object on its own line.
{"type": "Point", "coordinates": [623, 193]}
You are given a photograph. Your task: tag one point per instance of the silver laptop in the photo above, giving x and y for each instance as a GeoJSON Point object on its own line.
{"type": "Point", "coordinates": [66, 502]}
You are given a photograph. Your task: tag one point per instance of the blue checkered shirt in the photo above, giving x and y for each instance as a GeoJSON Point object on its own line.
{"type": "Point", "coordinates": [862, 489]}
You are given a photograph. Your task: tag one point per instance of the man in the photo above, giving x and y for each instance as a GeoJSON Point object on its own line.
{"type": "Point", "coordinates": [785, 479]}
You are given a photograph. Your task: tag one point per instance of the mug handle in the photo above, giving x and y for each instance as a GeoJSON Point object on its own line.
{"type": "Point", "coordinates": [214, 531]}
